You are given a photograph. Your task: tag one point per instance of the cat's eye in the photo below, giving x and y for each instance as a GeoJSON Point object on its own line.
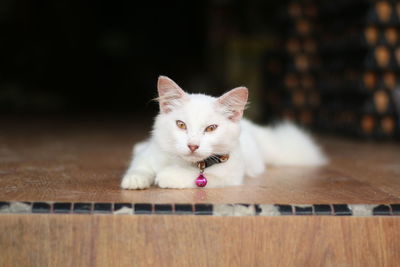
{"type": "Point", "coordinates": [211, 128]}
{"type": "Point", "coordinates": [181, 125]}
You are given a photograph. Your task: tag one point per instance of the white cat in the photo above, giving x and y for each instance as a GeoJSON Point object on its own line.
{"type": "Point", "coordinates": [193, 127]}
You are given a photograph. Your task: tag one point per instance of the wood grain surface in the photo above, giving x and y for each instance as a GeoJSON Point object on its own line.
{"type": "Point", "coordinates": [95, 240]}
{"type": "Point", "coordinates": [84, 161]}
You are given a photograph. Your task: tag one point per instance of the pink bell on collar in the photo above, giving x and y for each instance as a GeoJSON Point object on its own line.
{"type": "Point", "coordinates": [201, 181]}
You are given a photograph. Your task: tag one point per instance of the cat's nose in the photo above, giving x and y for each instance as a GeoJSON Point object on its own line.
{"type": "Point", "coordinates": [193, 148]}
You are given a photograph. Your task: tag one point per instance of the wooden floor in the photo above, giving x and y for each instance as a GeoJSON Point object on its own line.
{"type": "Point", "coordinates": [85, 240]}
{"type": "Point", "coordinates": [83, 161]}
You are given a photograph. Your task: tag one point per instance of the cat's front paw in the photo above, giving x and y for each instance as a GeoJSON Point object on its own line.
{"type": "Point", "coordinates": [175, 178]}
{"type": "Point", "coordinates": [134, 181]}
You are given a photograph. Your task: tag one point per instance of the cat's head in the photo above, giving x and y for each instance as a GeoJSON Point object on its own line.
{"type": "Point", "coordinates": [195, 126]}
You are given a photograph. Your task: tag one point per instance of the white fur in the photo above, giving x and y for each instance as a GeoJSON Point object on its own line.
{"type": "Point", "coordinates": [166, 160]}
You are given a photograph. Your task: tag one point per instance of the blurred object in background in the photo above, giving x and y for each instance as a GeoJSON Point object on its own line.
{"type": "Point", "coordinates": [341, 67]}
{"type": "Point", "coordinates": [239, 34]}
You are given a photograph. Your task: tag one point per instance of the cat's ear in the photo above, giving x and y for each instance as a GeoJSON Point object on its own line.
{"type": "Point", "coordinates": [170, 94]}
{"type": "Point", "coordinates": [234, 102]}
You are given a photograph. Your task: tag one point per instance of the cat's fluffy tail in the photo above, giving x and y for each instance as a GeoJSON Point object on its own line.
{"type": "Point", "coordinates": [287, 144]}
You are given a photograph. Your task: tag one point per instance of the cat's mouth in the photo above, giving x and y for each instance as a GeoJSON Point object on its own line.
{"type": "Point", "coordinates": [193, 158]}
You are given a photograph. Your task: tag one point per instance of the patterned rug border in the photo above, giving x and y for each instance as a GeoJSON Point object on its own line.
{"type": "Point", "coordinates": [111, 208]}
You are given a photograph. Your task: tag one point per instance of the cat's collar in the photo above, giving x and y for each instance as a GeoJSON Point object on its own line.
{"type": "Point", "coordinates": [211, 160]}
{"type": "Point", "coordinates": [201, 180]}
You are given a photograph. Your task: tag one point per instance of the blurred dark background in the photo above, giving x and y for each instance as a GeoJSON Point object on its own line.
{"type": "Point", "coordinates": [329, 65]}
{"type": "Point", "coordinates": [76, 56]}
